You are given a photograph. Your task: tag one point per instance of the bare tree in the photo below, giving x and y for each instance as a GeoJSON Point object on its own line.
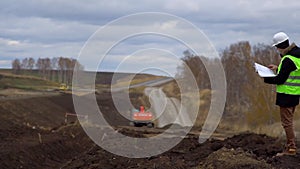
{"type": "Point", "coordinates": [16, 66]}
{"type": "Point", "coordinates": [39, 65]}
{"type": "Point", "coordinates": [24, 64]}
{"type": "Point", "coordinates": [61, 68]}
{"type": "Point", "coordinates": [194, 64]}
{"type": "Point", "coordinates": [47, 67]}
{"type": "Point", "coordinates": [31, 63]}
{"type": "Point", "coordinates": [237, 60]}
{"type": "Point", "coordinates": [54, 65]}
{"type": "Point", "coordinates": [44, 67]}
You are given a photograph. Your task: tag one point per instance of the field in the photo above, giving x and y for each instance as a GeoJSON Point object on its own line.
{"type": "Point", "coordinates": [36, 134]}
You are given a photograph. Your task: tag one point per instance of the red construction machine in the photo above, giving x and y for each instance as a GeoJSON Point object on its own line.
{"type": "Point", "coordinates": [141, 118]}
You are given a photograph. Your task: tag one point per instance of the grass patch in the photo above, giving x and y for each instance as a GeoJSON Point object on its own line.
{"type": "Point", "coordinates": [24, 82]}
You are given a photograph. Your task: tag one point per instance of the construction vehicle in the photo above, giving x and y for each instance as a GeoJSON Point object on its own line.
{"type": "Point", "coordinates": [141, 118]}
{"type": "Point", "coordinates": [63, 87]}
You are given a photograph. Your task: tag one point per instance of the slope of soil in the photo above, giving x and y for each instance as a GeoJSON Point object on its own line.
{"type": "Point", "coordinates": [34, 135]}
{"type": "Point", "coordinates": [241, 151]}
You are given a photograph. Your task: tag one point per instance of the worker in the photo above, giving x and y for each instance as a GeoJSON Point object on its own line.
{"type": "Point", "coordinates": [287, 86]}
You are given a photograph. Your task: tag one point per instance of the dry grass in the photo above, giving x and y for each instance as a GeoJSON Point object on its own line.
{"type": "Point", "coordinates": [25, 82]}
{"type": "Point", "coordinates": [11, 75]}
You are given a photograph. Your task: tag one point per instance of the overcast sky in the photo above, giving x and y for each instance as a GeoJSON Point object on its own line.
{"type": "Point", "coordinates": [53, 28]}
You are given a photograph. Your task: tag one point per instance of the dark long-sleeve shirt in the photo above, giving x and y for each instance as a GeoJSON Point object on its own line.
{"type": "Point", "coordinates": [285, 100]}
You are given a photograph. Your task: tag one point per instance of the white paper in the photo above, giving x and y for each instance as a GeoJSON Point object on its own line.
{"type": "Point", "coordinates": [263, 71]}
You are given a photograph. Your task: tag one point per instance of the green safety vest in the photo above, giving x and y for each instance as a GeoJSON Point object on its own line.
{"type": "Point", "coordinates": [292, 84]}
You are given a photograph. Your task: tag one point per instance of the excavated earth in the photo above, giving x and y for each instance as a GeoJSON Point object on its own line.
{"type": "Point", "coordinates": [34, 134]}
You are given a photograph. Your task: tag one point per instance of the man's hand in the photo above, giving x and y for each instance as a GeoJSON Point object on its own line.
{"type": "Point", "coordinates": [273, 67]}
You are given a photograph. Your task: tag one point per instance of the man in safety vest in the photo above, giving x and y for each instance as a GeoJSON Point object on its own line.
{"type": "Point", "coordinates": [287, 86]}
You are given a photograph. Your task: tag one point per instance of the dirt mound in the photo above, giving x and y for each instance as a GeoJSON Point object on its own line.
{"type": "Point", "coordinates": [241, 151]}
{"type": "Point", "coordinates": [264, 147]}
{"type": "Point", "coordinates": [231, 158]}
{"type": "Point", "coordinates": [260, 145]}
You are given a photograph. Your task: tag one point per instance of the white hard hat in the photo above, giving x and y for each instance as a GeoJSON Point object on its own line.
{"type": "Point", "coordinates": [279, 38]}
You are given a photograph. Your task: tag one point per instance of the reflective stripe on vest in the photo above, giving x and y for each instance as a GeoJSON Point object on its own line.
{"type": "Point", "coordinates": [292, 84]}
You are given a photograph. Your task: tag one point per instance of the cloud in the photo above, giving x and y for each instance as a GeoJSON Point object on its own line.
{"type": "Point", "coordinates": [150, 59]}
{"type": "Point", "coordinates": [192, 5]}
{"type": "Point", "coordinates": [44, 30]}
{"type": "Point", "coordinates": [119, 39]}
{"type": "Point", "coordinates": [13, 43]}
{"type": "Point", "coordinates": [169, 25]}
{"type": "Point", "coordinates": [52, 28]}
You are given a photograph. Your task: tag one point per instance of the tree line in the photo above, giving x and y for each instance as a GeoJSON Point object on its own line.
{"type": "Point", "coordinates": [249, 99]}
{"type": "Point", "coordinates": [59, 69]}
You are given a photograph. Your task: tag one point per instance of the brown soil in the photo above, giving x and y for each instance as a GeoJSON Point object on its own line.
{"type": "Point", "coordinates": [33, 135]}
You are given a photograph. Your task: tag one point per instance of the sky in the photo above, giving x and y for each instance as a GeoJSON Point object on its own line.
{"type": "Point", "coordinates": [54, 28]}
